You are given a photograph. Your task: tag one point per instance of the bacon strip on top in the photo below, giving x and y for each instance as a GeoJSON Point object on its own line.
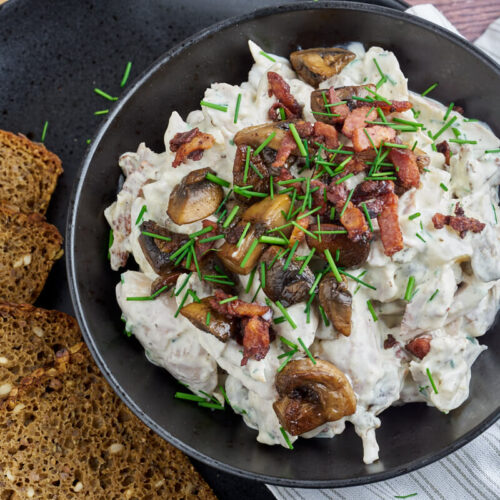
{"type": "Point", "coordinates": [281, 90]}
{"type": "Point", "coordinates": [342, 109]}
{"type": "Point", "coordinates": [190, 144]}
{"type": "Point", "coordinates": [325, 134]}
{"type": "Point", "coordinates": [405, 163]}
{"type": "Point", "coordinates": [388, 221]}
{"type": "Point", "coordinates": [354, 221]}
{"type": "Point", "coordinates": [356, 119]}
{"type": "Point", "coordinates": [377, 133]}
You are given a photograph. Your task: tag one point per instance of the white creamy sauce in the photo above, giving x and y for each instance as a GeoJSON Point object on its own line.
{"type": "Point", "coordinates": [457, 288]}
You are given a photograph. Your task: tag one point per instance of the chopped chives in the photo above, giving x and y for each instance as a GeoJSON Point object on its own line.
{"type": "Point", "coordinates": [101, 112]}
{"type": "Point", "coordinates": [315, 284]}
{"type": "Point", "coordinates": [250, 280]}
{"type": "Point", "coordinates": [201, 232]}
{"type": "Point", "coordinates": [195, 259]}
{"type": "Point", "coordinates": [324, 114]}
{"type": "Point", "coordinates": [408, 122]}
{"type": "Point", "coordinates": [111, 238]}
{"type": "Point", "coordinates": [443, 187]}
{"type": "Point", "coordinates": [189, 397]}
{"type": "Point", "coordinates": [272, 240]}
{"type": "Point", "coordinates": [180, 250]}
{"type": "Point", "coordinates": [448, 111]}
{"type": "Point", "coordinates": [247, 163]}
{"type": "Point", "coordinates": [218, 107]}
{"type": "Point", "coordinates": [304, 230]}
{"type": "Point", "coordinates": [269, 138]}
{"type": "Point", "coordinates": [332, 264]}
{"type": "Point", "coordinates": [414, 216]}
{"type": "Point", "coordinates": [332, 213]}
{"type": "Point", "coordinates": [323, 316]}
{"type": "Point", "coordinates": [394, 145]}
{"type": "Point", "coordinates": [347, 201]}
{"type": "Point", "coordinates": [296, 136]}
{"type": "Point", "coordinates": [370, 139]}
{"type": "Point", "coordinates": [406, 496]}
{"type": "Point", "coordinates": [434, 294]}
{"type": "Point", "coordinates": [126, 74]}
{"type": "Point", "coordinates": [243, 234]}
{"type": "Point", "coordinates": [157, 236]}
{"type": "Point", "coordinates": [193, 295]}
{"type": "Point", "coordinates": [420, 237]}
{"type": "Point", "coordinates": [283, 310]}
{"type": "Point", "coordinates": [494, 213]}
{"type": "Point", "coordinates": [355, 278]}
{"type": "Point", "coordinates": [253, 246]}
{"type": "Point", "coordinates": [213, 178]}
{"type": "Point", "coordinates": [229, 299]}
{"type": "Point", "coordinates": [306, 350]}
{"type": "Point", "coordinates": [214, 406]}
{"type": "Point", "coordinates": [294, 195]}
{"type": "Point", "coordinates": [144, 209]}
{"type": "Point", "coordinates": [492, 151]}
{"type": "Point", "coordinates": [184, 283]}
{"type": "Point", "coordinates": [105, 95]}
{"type": "Point", "coordinates": [462, 141]}
{"type": "Point", "coordinates": [263, 274]}
{"type": "Point", "coordinates": [256, 170]}
{"type": "Point", "coordinates": [262, 53]}
{"type": "Point", "coordinates": [470, 120]}
{"type": "Point", "coordinates": [289, 343]}
{"type": "Point", "coordinates": [291, 181]}
{"type": "Point", "coordinates": [223, 202]}
{"type": "Point", "coordinates": [337, 255]}
{"type": "Point", "coordinates": [414, 145]}
{"type": "Point", "coordinates": [289, 355]}
{"type": "Point", "coordinates": [342, 179]}
{"type": "Point", "coordinates": [447, 125]}
{"type": "Point", "coordinates": [282, 113]}
{"type": "Point", "coordinates": [221, 216]}
{"type": "Point", "coordinates": [306, 262]}
{"type": "Point", "coordinates": [286, 438]}
{"type": "Point", "coordinates": [455, 131]}
{"type": "Point", "coordinates": [231, 216]}
{"type": "Point", "coordinates": [44, 131]}
{"type": "Point", "coordinates": [429, 374]}
{"type": "Point", "coordinates": [290, 256]}
{"type": "Point", "coordinates": [367, 215]}
{"type": "Point", "coordinates": [378, 96]}
{"type": "Point", "coordinates": [212, 238]}
{"type": "Point", "coordinates": [237, 108]}
{"type": "Point", "coordinates": [149, 297]}
{"type": "Point", "coordinates": [409, 288]}
{"type": "Point", "coordinates": [308, 213]}
{"type": "Point", "coordinates": [88, 141]}
{"type": "Point", "coordinates": [339, 231]}
{"type": "Point", "coordinates": [372, 310]}
{"type": "Point", "coordinates": [430, 89]}
{"type": "Point", "coordinates": [271, 187]}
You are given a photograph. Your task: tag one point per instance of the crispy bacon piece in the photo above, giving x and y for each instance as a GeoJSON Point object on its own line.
{"type": "Point", "coordinates": [407, 171]}
{"type": "Point", "coordinates": [319, 196]}
{"type": "Point", "coordinates": [297, 234]}
{"type": "Point", "coordinates": [444, 148]}
{"type": "Point", "coordinates": [341, 109]}
{"type": "Point", "coordinates": [356, 120]}
{"type": "Point", "coordinates": [287, 147]}
{"type": "Point", "coordinates": [354, 221]}
{"type": "Point", "coordinates": [305, 129]}
{"type": "Point", "coordinates": [390, 341]}
{"type": "Point", "coordinates": [378, 134]}
{"type": "Point", "coordinates": [390, 232]}
{"type": "Point", "coordinates": [281, 90]}
{"type": "Point", "coordinates": [190, 145]}
{"type": "Point", "coordinates": [459, 222]}
{"type": "Point", "coordinates": [419, 346]}
{"type": "Point", "coordinates": [371, 189]}
{"type": "Point", "coordinates": [393, 107]}
{"type": "Point", "coordinates": [256, 339]}
{"type": "Point", "coordinates": [325, 134]}
{"type": "Point", "coordinates": [285, 175]}
{"type": "Point", "coordinates": [237, 308]}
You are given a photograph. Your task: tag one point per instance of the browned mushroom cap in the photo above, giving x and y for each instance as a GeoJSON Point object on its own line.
{"type": "Point", "coordinates": [287, 286]}
{"type": "Point", "coordinates": [158, 251]}
{"type": "Point", "coordinates": [316, 65]}
{"type": "Point", "coordinates": [256, 135]}
{"type": "Point", "coordinates": [348, 92]}
{"type": "Point", "coordinates": [194, 198]}
{"type": "Point", "coordinates": [336, 300]}
{"type": "Point", "coordinates": [218, 325]}
{"type": "Point", "coordinates": [260, 181]}
{"type": "Point", "coordinates": [168, 281]}
{"type": "Point", "coordinates": [211, 265]}
{"type": "Point", "coordinates": [351, 253]}
{"type": "Point", "coordinates": [311, 395]}
{"type": "Point", "coordinates": [264, 215]}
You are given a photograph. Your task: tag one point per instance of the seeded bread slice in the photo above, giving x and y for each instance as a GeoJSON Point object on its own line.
{"type": "Point", "coordinates": [66, 435]}
{"type": "Point", "coordinates": [29, 247]}
{"type": "Point", "coordinates": [28, 173]}
{"type": "Point", "coordinates": [32, 336]}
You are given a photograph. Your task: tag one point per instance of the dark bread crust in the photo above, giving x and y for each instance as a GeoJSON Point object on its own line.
{"type": "Point", "coordinates": [65, 433]}
{"type": "Point", "coordinates": [30, 246]}
{"type": "Point", "coordinates": [28, 173]}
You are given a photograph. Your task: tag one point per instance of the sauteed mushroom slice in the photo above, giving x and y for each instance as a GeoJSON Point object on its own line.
{"type": "Point", "coordinates": [256, 135]}
{"type": "Point", "coordinates": [311, 395]}
{"type": "Point", "coordinates": [285, 285]}
{"type": "Point", "coordinates": [264, 215]}
{"type": "Point", "coordinates": [158, 251]}
{"type": "Point", "coordinates": [213, 268]}
{"type": "Point", "coordinates": [350, 253]}
{"type": "Point", "coordinates": [219, 325]}
{"type": "Point", "coordinates": [168, 280]}
{"type": "Point", "coordinates": [194, 198]}
{"type": "Point", "coordinates": [336, 300]}
{"type": "Point", "coordinates": [316, 65]}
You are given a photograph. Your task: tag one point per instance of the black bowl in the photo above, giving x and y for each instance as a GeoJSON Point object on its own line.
{"type": "Point", "coordinates": [410, 436]}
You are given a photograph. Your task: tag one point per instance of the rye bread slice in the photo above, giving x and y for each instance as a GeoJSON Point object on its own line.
{"type": "Point", "coordinates": [64, 434]}
{"type": "Point", "coordinates": [28, 173]}
{"type": "Point", "coordinates": [30, 246]}
{"type": "Point", "coordinates": [29, 339]}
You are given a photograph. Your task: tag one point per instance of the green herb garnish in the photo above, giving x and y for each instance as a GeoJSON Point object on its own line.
{"type": "Point", "coordinates": [218, 107]}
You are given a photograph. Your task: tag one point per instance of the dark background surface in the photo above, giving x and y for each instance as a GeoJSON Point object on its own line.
{"type": "Point", "coordinates": [52, 55]}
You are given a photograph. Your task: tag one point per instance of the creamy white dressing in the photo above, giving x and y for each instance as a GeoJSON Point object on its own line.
{"type": "Point", "coordinates": [457, 288]}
